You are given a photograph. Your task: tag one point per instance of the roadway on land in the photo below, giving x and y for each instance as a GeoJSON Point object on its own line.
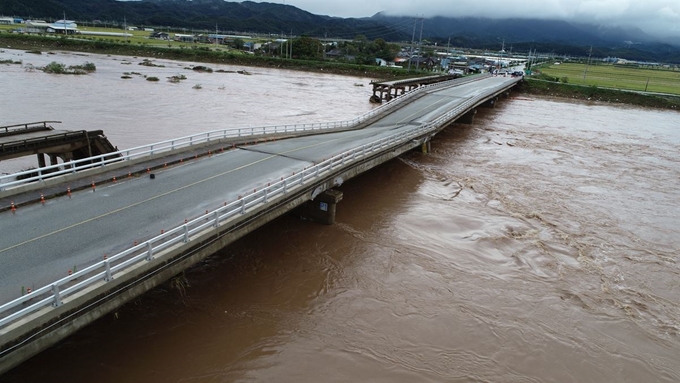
{"type": "Point", "coordinates": [40, 243]}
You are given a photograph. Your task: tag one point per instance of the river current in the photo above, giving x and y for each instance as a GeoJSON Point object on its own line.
{"type": "Point", "coordinates": [539, 244]}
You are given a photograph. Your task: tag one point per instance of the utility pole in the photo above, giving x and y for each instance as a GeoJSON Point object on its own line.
{"type": "Point", "coordinates": [291, 44]}
{"type": "Point", "coordinates": [324, 45]}
{"type": "Point", "coordinates": [585, 72]}
{"type": "Point", "coordinates": [420, 43]}
{"type": "Point", "coordinates": [413, 39]}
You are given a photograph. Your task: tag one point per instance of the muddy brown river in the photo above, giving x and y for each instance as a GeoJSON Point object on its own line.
{"type": "Point", "coordinates": [538, 245]}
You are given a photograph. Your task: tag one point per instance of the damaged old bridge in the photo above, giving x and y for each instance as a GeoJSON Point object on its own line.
{"type": "Point", "coordinates": [82, 238]}
{"type": "Point", "coordinates": [41, 139]}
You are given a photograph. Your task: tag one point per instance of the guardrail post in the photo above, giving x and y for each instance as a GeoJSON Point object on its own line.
{"type": "Point", "coordinates": [57, 296]}
{"type": "Point", "coordinates": [186, 233]}
{"type": "Point", "coordinates": [149, 251]}
{"type": "Point", "coordinates": [108, 276]}
{"type": "Point", "coordinates": [285, 186]}
{"type": "Point", "coordinates": [172, 144]}
{"type": "Point", "coordinates": [243, 206]}
{"type": "Point", "coordinates": [239, 132]}
{"type": "Point", "coordinates": [266, 195]}
{"type": "Point", "coordinates": [73, 167]}
{"type": "Point", "coordinates": [217, 219]}
{"type": "Point", "coordinates": [40, 175]}
{"type": "Point", "coordinates": [151, 150]}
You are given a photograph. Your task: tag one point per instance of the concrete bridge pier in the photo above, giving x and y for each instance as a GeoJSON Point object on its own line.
{"type": "Point", "coordinates": [468, 118]}
{"type": "Point", "coordinates": [426, 147]}
{"type": "Point", "coordinates": [491, 103]}
{"type": "Point", "coordinates": [506, 94]}
{"type": "Point", "coordinates": [322, 208]}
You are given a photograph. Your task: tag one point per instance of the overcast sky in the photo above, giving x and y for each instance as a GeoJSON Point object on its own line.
{"type": "Point", "coordinates": [657, 17]}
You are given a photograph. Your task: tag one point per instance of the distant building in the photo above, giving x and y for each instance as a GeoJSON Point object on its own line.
{"type": "Point", "coordinates": [184, 38]}
{"type": "Point", "coordinates": [68, 27]}
{"type": "Point", "coordinates": [6, 20]}
{"type": "Point", "coordinates": [36, 26]}
{"type": "Point", "coordinates": [160, 35]}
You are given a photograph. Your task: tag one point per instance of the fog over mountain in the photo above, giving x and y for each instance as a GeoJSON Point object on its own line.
{"type": "Point", "coordinates": [660, 18]}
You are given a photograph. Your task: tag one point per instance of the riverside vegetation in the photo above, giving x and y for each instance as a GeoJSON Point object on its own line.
{"type": "Point", "coordinates": [200, 54]}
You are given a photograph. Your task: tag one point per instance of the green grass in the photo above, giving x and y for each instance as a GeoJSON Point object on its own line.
{"type": "Point", "coordinates": [618, 77]}
{"type": "Point", "coordinates": [139, 38]}
{"type": "Point", "coordinates": [594, 93]}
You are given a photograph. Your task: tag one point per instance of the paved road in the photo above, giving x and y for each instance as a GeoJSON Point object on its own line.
{"type": "Point", "coordinates": [40, 243]}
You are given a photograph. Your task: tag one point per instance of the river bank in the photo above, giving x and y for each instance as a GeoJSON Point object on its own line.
{"type": "Point", "coordinates": [592, 93]}
{"type": "Point", "coordinates": [203, 54]}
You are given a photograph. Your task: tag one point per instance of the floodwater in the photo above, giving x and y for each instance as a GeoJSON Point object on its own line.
{"type": "Point", "coordinates": [134, 112]}
{"type": "Point", "coordinates": [538, 245]}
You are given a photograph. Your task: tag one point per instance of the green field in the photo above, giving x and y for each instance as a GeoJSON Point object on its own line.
{"type": "Point", "coordinates": [660, 80]}
{"type": "Point", "coordinates": [138, 38]}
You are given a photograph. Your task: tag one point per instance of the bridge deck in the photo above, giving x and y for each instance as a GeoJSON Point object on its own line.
{"type": "Point", "coordinates": [387, 90]}
{"type": "Point", "coordinates": [67, 144]}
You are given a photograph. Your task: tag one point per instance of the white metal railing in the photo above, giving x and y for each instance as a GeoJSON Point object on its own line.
{"type": "Point", "coordinates": [104, 271]}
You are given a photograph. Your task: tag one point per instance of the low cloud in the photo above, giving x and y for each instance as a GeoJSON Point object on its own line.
{"type": "Point", "coordinates": [656, 17]}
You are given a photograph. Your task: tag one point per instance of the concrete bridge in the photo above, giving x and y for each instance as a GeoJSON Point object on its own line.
{"type": "Point", "coordinates": [83, 238]}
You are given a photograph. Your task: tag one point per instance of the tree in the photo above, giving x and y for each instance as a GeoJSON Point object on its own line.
{"type": "Point", "coordinates": [238, 43]}
{"type": "Point", "coordinates": [307, 48]}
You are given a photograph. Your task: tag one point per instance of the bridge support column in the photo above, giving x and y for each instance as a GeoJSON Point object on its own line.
{"type": "Point", "coordinates": [468, 118]}
{"type": "Point", "coordinates": [426, 147]}
{"type": "Point", "coordinates": [491, 103]}
{"type": "Point", "coordinates": [322, 208]}
{"type": "Point", "coordinates": [506, 94]}
{"type": "Point", "coordinates": [41, 160]}
{"type": "Point", "coordinates": [53, 159]}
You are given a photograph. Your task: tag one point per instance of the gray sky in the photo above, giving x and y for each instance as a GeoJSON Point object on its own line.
{"type": "Point", "coordinates": [656, 17]}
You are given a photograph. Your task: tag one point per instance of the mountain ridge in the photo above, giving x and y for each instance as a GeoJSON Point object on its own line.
{"type": "Point", "coordinates": [558, 36]}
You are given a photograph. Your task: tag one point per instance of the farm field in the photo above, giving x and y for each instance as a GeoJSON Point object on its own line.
{"type": "Point", "coordinates": [660, 80]}
{"type": "Point", "coordinates": [136, 38]}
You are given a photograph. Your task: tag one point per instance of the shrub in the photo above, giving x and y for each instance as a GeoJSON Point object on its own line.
{"type": "Point", "coordinates": [152, 79]}
{"type": "Point", "coordinates": [54, 67]}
